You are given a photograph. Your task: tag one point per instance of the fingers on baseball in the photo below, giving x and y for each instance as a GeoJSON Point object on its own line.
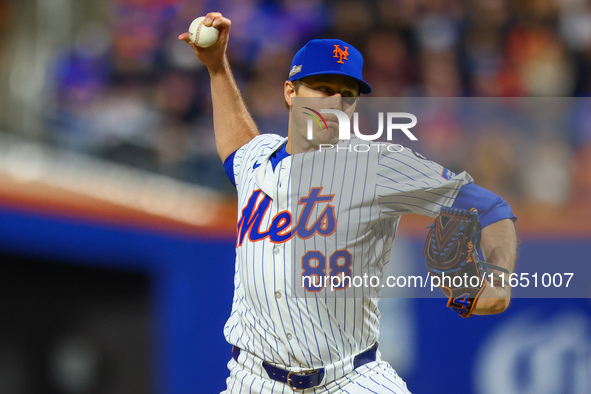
{"type": "Point", "coordinates": [216, 20]}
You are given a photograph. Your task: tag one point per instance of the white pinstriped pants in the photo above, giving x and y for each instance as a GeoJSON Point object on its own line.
{"type": "Point", "coordinates": [247, 376]}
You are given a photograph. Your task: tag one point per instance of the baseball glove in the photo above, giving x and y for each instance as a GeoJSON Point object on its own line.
{"type": "Point", "coordinates": [451, 254]}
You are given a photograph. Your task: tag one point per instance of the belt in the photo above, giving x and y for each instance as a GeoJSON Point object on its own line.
{"type": "Point", "coordinates": [311, 378]}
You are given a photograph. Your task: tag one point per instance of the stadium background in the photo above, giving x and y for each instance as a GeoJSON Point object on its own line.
{"type": "Point", "coordinates": [116, 220]}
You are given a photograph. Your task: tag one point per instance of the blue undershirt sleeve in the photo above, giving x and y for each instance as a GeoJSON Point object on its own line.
{"type": "Point", "coordinates": [491, 207]}
{"type": "Point", "coordinates": [229, 168]}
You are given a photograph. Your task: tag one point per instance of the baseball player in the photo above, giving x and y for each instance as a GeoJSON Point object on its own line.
{"type": "Point", "coordinates": [343, 216]}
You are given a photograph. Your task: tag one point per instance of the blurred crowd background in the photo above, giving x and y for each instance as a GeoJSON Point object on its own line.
{"type": "Point", "coordinates": [108, 78]}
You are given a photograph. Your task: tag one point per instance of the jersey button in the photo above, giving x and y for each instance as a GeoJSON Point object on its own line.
{"type": "Point", "coordinates": [289, 336]}
{"type": "Point", "coordinates": [277, 294]}
{"type": "Point", "coordinates": [276, 250]}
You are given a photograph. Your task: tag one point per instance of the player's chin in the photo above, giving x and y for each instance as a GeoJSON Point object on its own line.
{"type": "Point", "coordinates": [328, 136]}
{"type": "Point", "coordinates": [325, 140]}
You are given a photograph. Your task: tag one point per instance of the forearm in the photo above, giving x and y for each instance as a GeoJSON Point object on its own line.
{"type": "Point", "coordinates": [499, 247]}
{"type": "Point", "coordinates": [233, 125]}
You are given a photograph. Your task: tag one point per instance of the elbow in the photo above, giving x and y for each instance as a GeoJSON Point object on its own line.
{"type": "Point", "coordinates": [491, 306]}
{"type": "Point", "coordinates": [499, 305]}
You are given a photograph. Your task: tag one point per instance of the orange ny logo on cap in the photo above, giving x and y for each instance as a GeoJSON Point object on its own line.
{"type": "Point", "coordinates": [342, 55]}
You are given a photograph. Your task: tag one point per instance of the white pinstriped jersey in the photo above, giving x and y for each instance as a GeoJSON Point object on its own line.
{"type": "Point", "coordinates": [368, 192]}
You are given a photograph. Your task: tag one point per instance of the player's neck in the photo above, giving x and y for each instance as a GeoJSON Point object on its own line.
{"type": "Point", "coordinates": [288, 146]}
{"type": "Point", "coordinates": [293, 147]}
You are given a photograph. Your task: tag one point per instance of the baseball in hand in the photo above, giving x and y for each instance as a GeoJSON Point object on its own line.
{"type": "Point", "coordinates": [201, 35]}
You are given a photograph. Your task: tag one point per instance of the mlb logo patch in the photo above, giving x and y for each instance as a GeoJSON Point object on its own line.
{"type": "Point", "coordinates": [295, 70]}
{"type": "Point", "coordinates": [447, 174]}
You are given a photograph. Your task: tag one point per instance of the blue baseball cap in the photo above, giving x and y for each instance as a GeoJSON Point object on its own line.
{"type": "Point", "coordinates": [329, 56]}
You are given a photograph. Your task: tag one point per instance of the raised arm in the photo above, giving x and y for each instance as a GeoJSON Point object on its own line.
{"type": "Point", "coordinates": [233, 125]}
{"type": "Point", "coordinates": [499, 247]}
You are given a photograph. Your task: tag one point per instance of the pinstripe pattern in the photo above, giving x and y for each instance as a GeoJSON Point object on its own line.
{"type": "Point", "coordinates": [273, 317]}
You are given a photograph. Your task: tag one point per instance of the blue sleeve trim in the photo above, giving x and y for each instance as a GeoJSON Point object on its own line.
{"type": "Point", "coordinates": [491, 207]}
{"type": "Point", "coordinates": [229, 168]}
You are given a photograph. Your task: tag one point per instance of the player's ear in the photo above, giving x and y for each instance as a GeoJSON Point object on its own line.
{"type": "Point", "coordinates": [288, 92]}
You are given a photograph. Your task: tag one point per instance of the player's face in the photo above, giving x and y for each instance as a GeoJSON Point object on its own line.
{"type": "Point", "coordinates": [320, 92]}
{"type": "Point", "coordinates": [328, 86]}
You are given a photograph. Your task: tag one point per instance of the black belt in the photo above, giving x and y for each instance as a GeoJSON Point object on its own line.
{"type": "Point", "coordinates": [308, 379]}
